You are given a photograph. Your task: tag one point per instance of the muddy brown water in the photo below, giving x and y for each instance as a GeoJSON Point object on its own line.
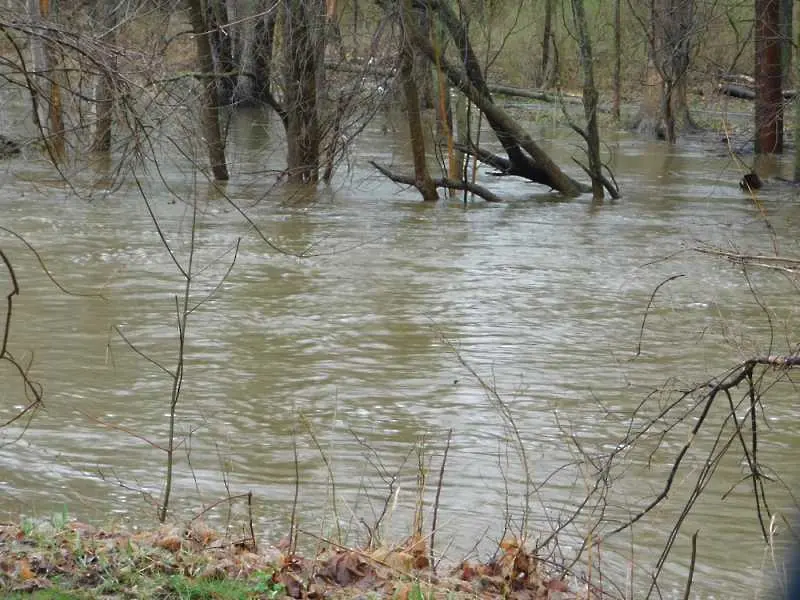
{"type": "Point", "coordinates": [359, 342]}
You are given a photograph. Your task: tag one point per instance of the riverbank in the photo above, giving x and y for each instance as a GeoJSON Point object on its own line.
{"type": "Point", "coordinates": [64, 560]}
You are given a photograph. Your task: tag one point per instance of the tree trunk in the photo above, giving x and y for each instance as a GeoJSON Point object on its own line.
{"type": "Point", "coordinates": [797, 119]}
{"type": "Point", "coordinates": [590, 98]}
{"type": "Point", "coordinates": [423, 74]}
{"type": "Point", "coordinates": [46, 89]}
{"type": "Point", "coordinates": [422, 178]}
{"type": "Point", "coordinates": [617, 77]}
{"type": "Point", "coordinates": [670, 33]}
{"type": "Point", "coordinates": [301, 56]}
{"type": "Point", "coordinates": [787, 22]}
{"type": "Point", "coordinates": [209, 101]}
{"type": "Point", "coordinates": [547, 43]}
{"type": "Point", "coordinates": [769, 96]}
{"type": "Point", "coordinates": [536, 165]}
{"type": "Point", "coordinates": [104, 90]}
{"type": "Point", "coordinates": [263, 45]}
{"type": "Point", "coordinates": [222, 52]}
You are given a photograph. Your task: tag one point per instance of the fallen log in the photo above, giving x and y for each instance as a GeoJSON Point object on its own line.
{"type": "Point", "coordinates": [735, 90]}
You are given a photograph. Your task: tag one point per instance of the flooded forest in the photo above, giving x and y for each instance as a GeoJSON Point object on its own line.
{"type": "Point", "coordinates": [506, 283]}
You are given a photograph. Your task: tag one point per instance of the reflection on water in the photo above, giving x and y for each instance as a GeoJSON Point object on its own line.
{"type": "Point", "coordinates": [353, 351]}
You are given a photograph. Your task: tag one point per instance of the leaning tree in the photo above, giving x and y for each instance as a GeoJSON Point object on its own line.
{"type": "Point", "coordinates": [461, 67]}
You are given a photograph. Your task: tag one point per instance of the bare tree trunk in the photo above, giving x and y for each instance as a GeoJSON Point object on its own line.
{"type": "Point", "coordinates": [547, 43]}
{"type": "Point", "coordinates": [302, 18]}
{"type": "Point", "coordinates": [423, 74]}
{"type": "Point", "coordinates": [617, 77]}
{"type": "Point", "coordinates": [209, 101]}
{"type": "Point", "coordinates": [787, 22]}
{"type": "Point", "coordinates": [46, 80]}
{"type": "Point", "coordinates": [669, 32]}
{"type": "Point", "coordinates": [590, 98]}
{"type": "Point", "coordinates": [222, 51]}
{"type": "Point", "coordinates": [263, 45]}
{"type": "Point", "coordinates": [41, 92]}
{"type": "Point", "coordinates": [104, 90]}
{"type": "Point", "coordinates": [797, 119]}
{"type": "Point", "coordinates": [422, 178]}
{"type": "Point", "coordinates": [769, 95]}
{"type": "Point", "coordinates": [525, 157]}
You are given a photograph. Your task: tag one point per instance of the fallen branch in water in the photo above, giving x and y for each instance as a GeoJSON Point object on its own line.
{"type": "Point", "coordinates": [441, 182]}
{"type": "Point", "coordinates": [777, 263]}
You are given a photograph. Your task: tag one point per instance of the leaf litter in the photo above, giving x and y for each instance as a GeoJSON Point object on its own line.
{"type": "Point", "coordinates": [104, 564]}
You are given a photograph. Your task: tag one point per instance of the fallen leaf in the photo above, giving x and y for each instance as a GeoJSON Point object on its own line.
{"type": "Point", "coordinates": [344, 568]}
{"type": "Point", "coordinates": [169, 542]}
{"type": "Point", "coordinates": [292, 584]}
{"type": "Point", "coordinates": [23, 570]}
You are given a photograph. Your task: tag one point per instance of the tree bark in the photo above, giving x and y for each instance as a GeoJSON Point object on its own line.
{"type": "Point", "coordinates": [209, 101]}
{"type": "Point", "coordinates": [769, 97]}
{"type": "Point", "coordinates": [222, 51]}
{"type": "Point", "coordinates": [536, 165]}
{"type": "Point", "coordinates": [104, 90]}
{"type": "Point", "coordinates": [669, 31]}
{"type": "Point", "coordinates": [547, 43]}
{"type": "Point", "coordinates": [422, 179]}
{"type": "Point", "coordinates": [617, 76]}
{"type": "Point", "coordinates": [590, 98]}
{"type": "Point", "coordinates": [262, 49]}
{"type": "Point", "coordinates": [301, 57]}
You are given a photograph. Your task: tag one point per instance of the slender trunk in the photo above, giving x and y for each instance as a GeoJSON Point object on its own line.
{"type": "Point", "coordinates": [617, 77]}
{"type": "Point", "coordinates": [264, 43]}
{"type": "Point", "coordinates": [46, 92]}
{"type": "Point", "coordinates": [769, 95]}
{"type": "Point", "coordinates": [424, 183]}
{"type": "Point", "coordinates": [547, 42]}
{"type": "Point", "coordinates": [41, 87]}
{"type": "Point", "coordinates": [423, 74]}
{"type": "Point", "coordinates": [222, 51]}
{"type": "Point", "coordinates": [590, 99]}
{"type": "Point", "coordinates": [104, 90]}
{"type": "Point", "coordinates": [209, 101]}
{"type": "Point", "coordinates": [787, 22]}
{"type": "Point", "coordinates": [797, 118]}
{"type": "Point", "coordinates": [301, 56]}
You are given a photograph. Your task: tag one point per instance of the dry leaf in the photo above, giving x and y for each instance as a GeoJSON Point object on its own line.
{"type": "Point", "coordinates": [403, 592]}
{"type": "Point", "coordinates": [169, 542]}
{"type": "Point", "coordinates": [23, 570]}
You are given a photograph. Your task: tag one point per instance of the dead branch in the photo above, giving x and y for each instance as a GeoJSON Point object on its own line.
{"type": "Point", "coordinates": [441, 182]}
{"type": "Point", "coordinates": [733, 378]}
{"type": "Point", "coordinates": [778, 263]}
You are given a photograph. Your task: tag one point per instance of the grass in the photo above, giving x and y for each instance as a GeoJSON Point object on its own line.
{"type": "Point", "coordinates": [58, 559]}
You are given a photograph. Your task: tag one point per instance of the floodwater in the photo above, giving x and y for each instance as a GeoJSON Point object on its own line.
{"type": "Point", "coordinates": [370, 327]}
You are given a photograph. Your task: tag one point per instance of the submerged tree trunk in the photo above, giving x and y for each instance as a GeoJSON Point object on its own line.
{"type": "Point", "coordinates": [104, 90]}
{"type": "Point", "coordinates": [590, 98]}
{"type": "Point", "coordinates": [525, 157]}
{"type": "Point", "coordinates": [209, 101]}
{"type": "Point", "coordinates": [769, 95]}
{"type": "Point", "coordinates": [302, 19]}
{"type": "Point", "coordinates": [665, 107]}
{"type": "Point", "coordinates": [422, 178]}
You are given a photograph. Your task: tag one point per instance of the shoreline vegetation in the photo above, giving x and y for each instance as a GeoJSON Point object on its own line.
{"type": "Point", "coordinates": [64, 559]}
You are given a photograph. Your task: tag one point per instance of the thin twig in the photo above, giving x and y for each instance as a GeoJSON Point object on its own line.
{"type": "Point", "coordinates": [438, 495]}
{"type": "Point", "coordinates": [691, 567]}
